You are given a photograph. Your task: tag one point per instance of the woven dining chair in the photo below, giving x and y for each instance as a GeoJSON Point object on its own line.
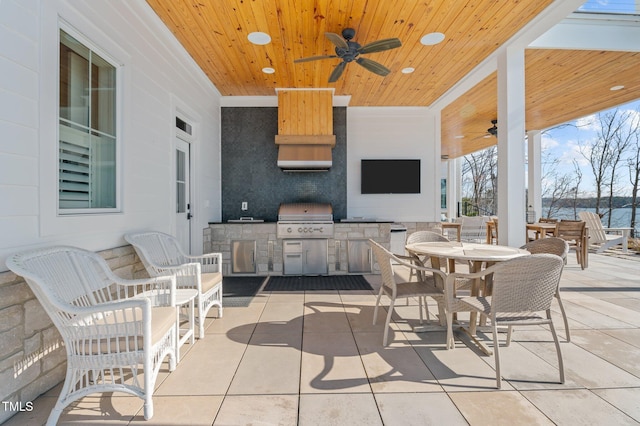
{"type": "Point", "coordinates": [161, 255]}
{"type": "Point", "coordinates": [424, 237]}
{"type": "Point", "coordinates": [115, 341]}
{"type": "Point", "coordinates": [559, 247]}
{"type": "Point", "coordinates": [430, 283]}
{"type": "Point", "coordinates": [522, 288]}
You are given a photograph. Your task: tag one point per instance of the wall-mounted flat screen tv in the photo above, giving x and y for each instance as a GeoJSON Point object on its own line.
{"type": "Point", "coordinates": [390, 176]}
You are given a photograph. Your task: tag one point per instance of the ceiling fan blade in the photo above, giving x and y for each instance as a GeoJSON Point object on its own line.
{"type": "Point", "coordinates": [337, 72]}
{"type": "Point", "coordinates": [373, 66]}
{"type": "Point", "coordinates": [337, 40]}
{"type": "Point", "coordinates": [380, 45]}
{"type": "Point", "coordinates": [314, 58]}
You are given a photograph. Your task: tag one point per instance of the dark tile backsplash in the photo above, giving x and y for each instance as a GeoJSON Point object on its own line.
{"type": "Point", "coordinates": [250, 173]}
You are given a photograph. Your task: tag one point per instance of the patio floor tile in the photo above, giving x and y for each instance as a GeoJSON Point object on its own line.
{"type": "Point", "coordinates": [315, 358]}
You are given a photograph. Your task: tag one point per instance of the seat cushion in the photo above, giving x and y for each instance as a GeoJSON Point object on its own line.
{"type": "Point", "coordinates": [209, 280]}
{"type": "Point", "coordinates": [163, 318]}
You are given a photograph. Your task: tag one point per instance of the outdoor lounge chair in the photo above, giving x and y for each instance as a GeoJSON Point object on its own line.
{"type": "Point", "coordinates": [430, 283]}
{"type": "Point", "coordinates": [559, 247]}
{"type": "Point", "coordinates": [110, 336]}
{"type": "Point", "coordinates": [604, 238]}
{"type": "Point", "coordinates": [522, 288]}
{"type": "Point", "coordinates": [161, 255]}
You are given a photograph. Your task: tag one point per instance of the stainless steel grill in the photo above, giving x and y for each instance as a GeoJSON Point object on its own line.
{"type": "Point", "coordinates": [305, 220]}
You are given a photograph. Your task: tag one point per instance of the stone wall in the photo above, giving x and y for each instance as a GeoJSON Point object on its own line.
{"type": "Point", "coordinates": [32, 356]}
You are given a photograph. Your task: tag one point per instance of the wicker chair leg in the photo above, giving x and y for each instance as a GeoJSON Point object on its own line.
{"type": "Point", "coordinates": [387, 322]}
{"type": "Point", "coordinates": [496, 353]}
{"type": "Point", "coordinates": [450, 342]}
{"type": "Point", "coordinates": [375, 310]}
{"type": "Point", "coordinates": [557, 342]}
{"type": "Point", "coordinates": [564, 317]}
{"type": "Point", "coordinates": [201, 318]}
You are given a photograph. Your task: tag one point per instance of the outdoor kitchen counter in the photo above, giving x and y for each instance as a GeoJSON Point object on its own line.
{"type": "Point", "coordinates": [219, 237]}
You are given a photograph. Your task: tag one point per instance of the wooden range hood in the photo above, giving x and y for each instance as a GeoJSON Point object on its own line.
{"type": "Point", "coordinates": [305, 129]}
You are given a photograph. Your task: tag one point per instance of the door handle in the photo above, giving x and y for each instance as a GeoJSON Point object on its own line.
{"type": "Point", "coordinates": [189, 215]}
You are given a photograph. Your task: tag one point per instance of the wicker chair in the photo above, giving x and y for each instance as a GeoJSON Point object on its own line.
{"type": "Point", "coordinates": [431, 284]}
{"type": "Point", "coordinates": [559, 247]}
{"type": "Point", "coordinates": [161, 255]}
{"type": "Point", "coordinates": [522, 288]}
{"type": "Point", "coordinates": [424, 237]}
{"type": "Point", "coordinates": [574, 232]}
{"type": "Point", "coordinates": [110, 335]}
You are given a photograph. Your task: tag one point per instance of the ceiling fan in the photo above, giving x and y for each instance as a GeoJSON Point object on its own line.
{"type": "Point", "coordinates": [491, 131]}
{"type": "Point", "coordinates": [350, 51]}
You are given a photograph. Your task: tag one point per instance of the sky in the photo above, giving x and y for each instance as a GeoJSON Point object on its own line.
{"type": "Point", "coordinates": [566, 142]}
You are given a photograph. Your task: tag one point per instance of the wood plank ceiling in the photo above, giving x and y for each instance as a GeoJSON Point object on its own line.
{"type": "Point", "coordinates": [560, 84]}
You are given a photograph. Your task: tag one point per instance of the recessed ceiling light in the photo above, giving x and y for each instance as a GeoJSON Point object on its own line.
{"type": "Point", "coordinates": [431, 39]}
{"type": "Point", "coordinates": [614, 88]}
{"type": "Point", "coordinates": [268, 70]}
{"type": "Point", "coordinates": [486, 136]}
{"type": "Point", "coordinates": [408, 70]}
{"type": "Point", "coordinates": [459, 137]}
{"type": "Point", "coordinates": [259, 38]}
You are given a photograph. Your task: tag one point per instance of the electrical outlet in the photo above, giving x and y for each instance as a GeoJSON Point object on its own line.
{"type": "Point", "coordinates": [245, 205]}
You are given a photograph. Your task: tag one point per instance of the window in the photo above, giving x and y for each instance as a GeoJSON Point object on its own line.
{"type": "Point", "coordinates": [87, 154]}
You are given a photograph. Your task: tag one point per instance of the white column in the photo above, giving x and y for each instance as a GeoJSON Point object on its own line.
{"type": "Point", "coordinates": [534, 169]}
{"type": "Point", "coordinates": [433, 165]}
{"type": "Point", "coordinates": [454, 186]}
{"type": "Point", "coordinates": [511, 158]}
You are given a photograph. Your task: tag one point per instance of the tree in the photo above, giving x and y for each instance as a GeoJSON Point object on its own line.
{"type": "Point", "coordinates": [556, 187]}
{"type": "Point", "coordinates": [634, 176]}
{"type": "Point", "coordinates": [575, 191]}
{"type": "Point", "coordinates": [605, 153]}
{"type": "Point", "coordinates": [481, 166]}
{"type": "Point", "coordinates": [622, 139]}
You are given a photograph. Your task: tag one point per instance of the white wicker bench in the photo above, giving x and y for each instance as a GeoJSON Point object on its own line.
{"type": "Point", "coordinates": [110, 337]}
{"type": "Point", "coordinates": [161, 254]}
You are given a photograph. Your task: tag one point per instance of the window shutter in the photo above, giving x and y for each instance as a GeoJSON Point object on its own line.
{"type": "Point", "coordinates": [75, 169]}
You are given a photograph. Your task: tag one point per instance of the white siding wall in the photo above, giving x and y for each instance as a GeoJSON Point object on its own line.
{"type": "Point", "coordinates": [158, 79]}
{"type": "Point", "coordinates": [394, 133]}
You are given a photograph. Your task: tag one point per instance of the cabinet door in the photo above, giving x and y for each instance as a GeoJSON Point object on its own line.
{"type": "Point", "coordinates": [243, 257]}
{"type": "Point", "coordinates": [315, 257]}
{"type": "Point", "coordinates": [359, 256]}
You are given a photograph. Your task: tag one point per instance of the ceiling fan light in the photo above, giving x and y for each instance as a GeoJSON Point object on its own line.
{"type": "Point", "coordinates": [431, 39]}
{"type": "Point", "coordinates": [268, 70]}
{"type": "Point", "coordinates": [259, 38]}
{"type": "Point", "coordinates": [408, 70]}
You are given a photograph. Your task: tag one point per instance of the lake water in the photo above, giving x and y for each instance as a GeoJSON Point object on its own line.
{"type": "Point", "coordinates": [620, 218]}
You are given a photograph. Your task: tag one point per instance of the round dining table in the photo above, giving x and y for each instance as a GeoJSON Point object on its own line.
{"type": "Point", "coordinates": [477, 255]}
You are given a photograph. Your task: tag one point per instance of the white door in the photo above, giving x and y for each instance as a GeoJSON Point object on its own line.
{"type": "Point", "coordinates": [183, 199]}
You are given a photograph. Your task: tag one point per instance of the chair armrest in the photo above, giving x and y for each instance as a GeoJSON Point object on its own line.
{"type": "Point", "coordinates": [408, 264]}
{"type": "Point", "coordinates": [414, 258]}
{"type": "Point", "coordinates": [185, 269]}
{"type": "Point", "coordinates": [617, 229]}
{"type": "Point", "coordinates": [210, 262]}
{"type": "Point", "coordinates": [107, 307]}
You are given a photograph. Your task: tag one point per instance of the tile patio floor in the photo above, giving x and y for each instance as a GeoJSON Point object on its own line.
{"type": "Point", "coordinates": [315, 359]}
